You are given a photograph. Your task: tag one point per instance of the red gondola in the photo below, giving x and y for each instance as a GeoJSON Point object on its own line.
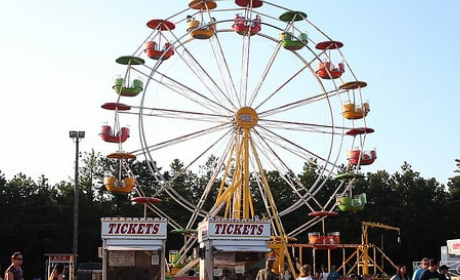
{"type": "Point", "coordinates": [115, 106]}
{"type": "Point", "coordinates": [245, 26]}
{"type": "Point", "coordinates": [322, 213]}
{"type": "Point", "coordinates": [143, 199]}
{"type": "Point", "coordinates": [154, 52]}
{"type": "Point", "coordinates": [359, 130]}
{"type": "Point", "coordinates": [249, 3]}
{"type": "Point", "coordinates": [356, 157]}
{"type": "Point", "coordinates": [326, 70]}
{"type": "Point", "coordinates": [109, 136]}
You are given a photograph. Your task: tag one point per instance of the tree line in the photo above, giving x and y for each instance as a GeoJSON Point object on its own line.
{"type": "Point", "coordinates": [37, 217]}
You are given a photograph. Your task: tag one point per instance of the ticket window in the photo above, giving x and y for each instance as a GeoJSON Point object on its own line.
{"type": "Point", "coordinates": [237, 265]}
{"type": "Point", "coordinates": [141, 265]}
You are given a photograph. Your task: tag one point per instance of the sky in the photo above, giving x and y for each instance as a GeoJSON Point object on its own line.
{"type": "Point", "coordinates": [58, 60]}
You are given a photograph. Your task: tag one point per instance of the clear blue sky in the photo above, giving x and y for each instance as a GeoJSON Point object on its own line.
{"type": "Point", "coordinates": [58, 62]}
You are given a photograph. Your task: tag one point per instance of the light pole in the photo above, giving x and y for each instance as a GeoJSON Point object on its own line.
{"type": "Point", "coordinates": [76, 136]}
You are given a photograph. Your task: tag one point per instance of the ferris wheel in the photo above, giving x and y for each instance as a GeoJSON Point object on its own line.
{"type": "Point", "coordinates": [249, 92]}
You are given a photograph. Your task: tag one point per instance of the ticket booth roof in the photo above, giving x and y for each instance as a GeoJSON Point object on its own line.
{"type": "Point", "coordinates": [133, 248]}
{"type": "Point", "coordinates": [241, 248]}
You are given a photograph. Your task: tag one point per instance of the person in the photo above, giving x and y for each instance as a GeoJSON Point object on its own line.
{"type": "Point", "coordinates": [323, 274]}
{"type": "Point", "coordinates": [333, 275]}
{"type": "Point", "coordinates": [14, 271]}
{"type": "Point", "coordinates": [57, 273]}
{"type": "Point", "coordinates": [305, 272]}
{"type": "Point", "coordinates": [267, 273]}
{"type": "Point", "coordinates": [401, 273]}
{"type": "Point", "coordinates": [432, 272]}
{"type": "Point", "coordinates": [1, 278]}
{"type": "Point", "coordinates": [424, 266]}
{"type": "Point", "coordinates": [444, 271]}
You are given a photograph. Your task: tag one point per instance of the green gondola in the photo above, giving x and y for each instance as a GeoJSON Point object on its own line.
{"type": "Point", "coordinates": [351, 204]}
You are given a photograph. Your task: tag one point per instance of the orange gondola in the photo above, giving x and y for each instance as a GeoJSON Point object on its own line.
{"type": "Point", "coordinates": [125, 185]}
{"type": "Point", "coordinates": [121, 155]}
{"type": "Point", "coordinates": [352, 112]}
{"type": "Point", "coordinates": [198, 31]}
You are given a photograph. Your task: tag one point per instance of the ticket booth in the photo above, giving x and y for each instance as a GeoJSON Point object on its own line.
{"type": "Point", "coordinates": [66, 259]}
{"type": "Point", "coordinates": [232, 248]}
{"type": "Point", "coordinates": [133, 248]}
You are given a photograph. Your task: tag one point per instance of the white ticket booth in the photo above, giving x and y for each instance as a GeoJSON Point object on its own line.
{"type": "Point", "coordinates": [232, 249]}
{"type": "Point", "coordinates": [133, 248]}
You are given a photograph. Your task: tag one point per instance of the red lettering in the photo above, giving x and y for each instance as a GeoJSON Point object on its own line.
{"type": "Point", "coordinates": [117, 231]}
{"type": "Point", "coordinates": [237, 229]}
{"type": "Point", "coordinates": [218, 228]}
{"type": "Point", "coordinates": [132, 229]}
{"type": "Point", "coordinates": [260, 229]}
{"type": "Point", "coordinates": [124, 228]}
{"type": "Point", "coordinates": [156, 228]}
{"type": "Point", "coordinates": [111, 227]}
{"type": "Point", "coordinates": [246, 229]}
{"type": "Point", "coordinates": [230, 229]}
{"type": "Point", "coordinates": [254, 229]}
{"type": "Point", "coordinates": [149, 228]}
{"type": "Point", "coordinates": [140, 229]}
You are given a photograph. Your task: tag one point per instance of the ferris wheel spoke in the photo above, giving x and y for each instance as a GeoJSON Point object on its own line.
{"type": "Point", "coordinates": [196, 97]}
{"type": "Point", "coordinates": [298, 103]}
{"type": "Point", "coordinates": [245, 59]}
{"type": "Point", "coordinates": [178, 197]}
{"type": "Point", "coordinates": [279, 89]}
{"type": "Point", "coordinates": [264, 75]}
{"type": "Point", "coordinates": [210, 185]}
{"type": "Point", "coordinates": [284, 171]}
{"type": "Point", "coordinates": [295, 185]}
{"type": "Point", "coordinates": [183, 115]}
{"type": "Point", "coordinates": [225, 72]}
{"type": "Point", "coordinates": [187, 137]}
{"type": "Point", "coordinates": [199, 71]}
{"type": "Point", "coordinates": [303, 126]}
{"type": "Point", "coordinates": [292, 147]}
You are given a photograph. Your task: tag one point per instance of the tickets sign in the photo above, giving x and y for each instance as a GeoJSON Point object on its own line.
{"type": "Point", "coordinates": [137, 229]}
{"type": "Point", "coordinates": [234, 229]}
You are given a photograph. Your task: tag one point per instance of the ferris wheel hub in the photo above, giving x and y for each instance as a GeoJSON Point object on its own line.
{"type": "Point", "coordinates": [246, 117]}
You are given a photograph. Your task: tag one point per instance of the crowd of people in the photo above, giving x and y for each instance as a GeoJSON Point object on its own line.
{"type": "Point", "coordinates": [305, 272]}
{"type": "Point", "coordinates": [429, 270]}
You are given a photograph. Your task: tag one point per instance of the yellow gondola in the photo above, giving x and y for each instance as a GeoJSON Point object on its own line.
{"type": "Point", "coordinates": [200, 32]}
{"type": "Point", "coordinates": [351, 112]}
